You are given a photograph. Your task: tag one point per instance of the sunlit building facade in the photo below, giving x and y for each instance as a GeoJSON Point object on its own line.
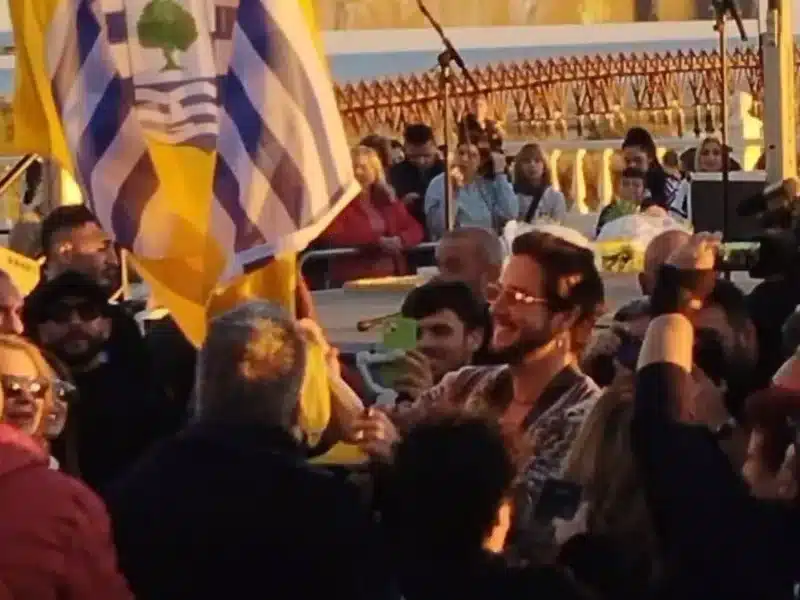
{"type": "Point", "coordinates": [404, 14]}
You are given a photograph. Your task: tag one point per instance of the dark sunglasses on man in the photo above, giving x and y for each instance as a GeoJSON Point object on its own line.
{"type": "Point", "coordinates": [62, 313]}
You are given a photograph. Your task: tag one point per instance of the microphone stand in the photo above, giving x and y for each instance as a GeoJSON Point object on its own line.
{"type": "Point", "coordinates": [722, 10]}
{"type": "Point", "coordinates": [448, 56]}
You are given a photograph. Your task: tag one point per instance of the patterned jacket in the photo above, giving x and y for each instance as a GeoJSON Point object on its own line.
{"type": "Point", "coordinates": [547, 432]}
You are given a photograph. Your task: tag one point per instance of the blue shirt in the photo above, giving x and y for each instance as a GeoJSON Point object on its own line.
{"type": "Point", "coordinates": [487, 203]}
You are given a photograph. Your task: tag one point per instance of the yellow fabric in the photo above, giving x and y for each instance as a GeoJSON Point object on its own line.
{"type": "Point", "coordinates": [23, 271]}
{"type": "Point", "coordinates": [317, 403]}
{"type": "Point", "coordinates": [37, 127]}
{"type": "Point", "coordinates": [342, 454]}
{"type": "Point", "coordinates": [183, 284]}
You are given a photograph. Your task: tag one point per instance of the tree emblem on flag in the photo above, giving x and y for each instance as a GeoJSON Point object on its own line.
{"type": "Point", "coordinates": [168, 26]}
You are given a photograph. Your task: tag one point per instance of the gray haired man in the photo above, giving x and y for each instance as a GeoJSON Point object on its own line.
{"type": "Point", "coordinates": [230, 505]}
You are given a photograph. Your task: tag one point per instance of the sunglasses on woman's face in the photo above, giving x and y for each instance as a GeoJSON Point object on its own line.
{"type": "Point", "coordinates": [15, 386]}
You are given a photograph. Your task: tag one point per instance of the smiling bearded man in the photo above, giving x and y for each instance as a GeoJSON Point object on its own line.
{"type": "Point", "coordinates": [549, 285]}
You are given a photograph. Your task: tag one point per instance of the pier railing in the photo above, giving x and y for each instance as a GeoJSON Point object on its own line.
{"type": "Point", "coordinates": [594, 96]}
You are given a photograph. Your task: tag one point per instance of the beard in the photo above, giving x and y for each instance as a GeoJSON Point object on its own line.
{"type": "Point", "coordinates": [528, 341]}
{"type": "Point", "coordinates": [110, 279]}
{"type": "Point", "coordinates": [78, 349]}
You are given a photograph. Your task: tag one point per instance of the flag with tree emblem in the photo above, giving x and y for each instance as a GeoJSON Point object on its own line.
{"type": "Point", "coordinates": [204, 133]}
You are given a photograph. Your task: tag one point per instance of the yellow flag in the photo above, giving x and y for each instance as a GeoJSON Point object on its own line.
{"type": "Point", "coordinates": [24, 271]}
{"type": "Point", "coordinates": [185, 217]}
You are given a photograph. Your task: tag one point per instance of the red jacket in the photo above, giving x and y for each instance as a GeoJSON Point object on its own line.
{"type": "Point", "coordinates": [55, 540]}
{"type": "Point", "coordinates": [355, 227]}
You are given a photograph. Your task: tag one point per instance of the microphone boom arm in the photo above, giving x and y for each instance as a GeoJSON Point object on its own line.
{"type": "Point", "coordinates": [451, 54]}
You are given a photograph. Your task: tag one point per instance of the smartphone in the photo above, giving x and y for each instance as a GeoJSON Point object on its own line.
{"type": "Point", "coordinates": [385, 374]}
{"type": "Point", "coordinates": [400, 333]}
{"type": "Point", "coordinates": [560, 499]}
{"type": "Point", "coordinates": [738, 256]}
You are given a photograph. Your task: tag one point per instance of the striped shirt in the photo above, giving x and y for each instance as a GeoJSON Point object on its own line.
{"type": "Point", "coordinates": [547, 432]}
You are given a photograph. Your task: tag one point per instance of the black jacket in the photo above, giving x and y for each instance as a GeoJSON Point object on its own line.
{"type": "Point", "coordinates": [406, 178]}
{"type": "Point", "coordinates": [718, 541]}
{"type": "Point", "coordinates": [481, 576]}
{"type": "Point", "coordinates": [236, 512]}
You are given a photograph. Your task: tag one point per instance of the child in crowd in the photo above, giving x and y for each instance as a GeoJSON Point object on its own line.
{"type": "Point", "coordinates": [629, 198]}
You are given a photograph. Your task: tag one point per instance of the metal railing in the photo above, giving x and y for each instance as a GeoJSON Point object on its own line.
{"type": "Point", "coordinates": [328, 254]}
{"type": "Point", "coordinates": [11, 176]}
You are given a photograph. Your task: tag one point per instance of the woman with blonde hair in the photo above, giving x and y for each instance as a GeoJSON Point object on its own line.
{"type": "Point", "coordinates": [615, 509]}
{"type": "Point", "coordinates": [533, 184]}
{"type": "Point", "coordinates": [31, 396]}
{"type": "Point", "coordinates": [375, 223]}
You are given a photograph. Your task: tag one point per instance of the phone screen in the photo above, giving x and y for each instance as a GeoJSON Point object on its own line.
{"type": "Point", "coordinates": [400, 333]}
{"type": "Point", "coordinates": [559, 499]}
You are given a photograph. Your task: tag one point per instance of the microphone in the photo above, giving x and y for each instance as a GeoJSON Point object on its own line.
{"type": "Point", "coordinates": [452, 53]}
{"type": "Point", "coordinates": [773, 197]}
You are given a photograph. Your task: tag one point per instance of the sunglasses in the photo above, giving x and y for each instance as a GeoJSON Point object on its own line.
{"type": "Point", "coordinates": [16, 386]}
{"type": "Point", "coordinates": [496, 291]}
{"type": "Point", "coordinates": [62, 313]}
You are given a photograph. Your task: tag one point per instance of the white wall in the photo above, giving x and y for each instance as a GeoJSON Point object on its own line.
{"type": "Point", "coordinates": [682, 33]}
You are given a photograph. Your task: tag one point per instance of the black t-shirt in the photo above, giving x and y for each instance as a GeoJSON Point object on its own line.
{"type": "Point", "coordinates": [406, 178]}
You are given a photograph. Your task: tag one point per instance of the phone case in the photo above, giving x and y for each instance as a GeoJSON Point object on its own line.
{"type": "Point", "coordinates": [400, 334]}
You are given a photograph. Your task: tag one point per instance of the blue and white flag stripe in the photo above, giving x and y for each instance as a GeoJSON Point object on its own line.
{"type": "Point", "coordinates": [112, 162]}
{"type": "Point", "coordinates": [281, 135]}
{"type": "Point", "coordinates": [283, 168]}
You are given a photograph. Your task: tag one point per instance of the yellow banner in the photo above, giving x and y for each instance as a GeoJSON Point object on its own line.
{"type": "Point", "coordinates": [24, 271]}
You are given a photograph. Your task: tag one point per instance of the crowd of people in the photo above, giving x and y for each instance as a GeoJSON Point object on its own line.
{"type": "Point", "coordinates": [529, 452]}
{"type": "Point", "coordinates": [402, 202]}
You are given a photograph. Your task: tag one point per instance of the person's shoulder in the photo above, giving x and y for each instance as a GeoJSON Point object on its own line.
{"type": "Point", "coordinates": [437, 181]}
{"type": "Point", "coordinates": [123, 323]}
{"type": "Point", "coordinates": [553, 194]}
{"type": "Point", "coordinates": [58, 496]}
{"type": "Point", "coordinates": [457, 386]}
{"type": "Point", "coordinates": [608, 209]}
{"type": "Point", "coordinates": [400, 170]}
{"type": "Point", "coordinates": [472, 375]}
{"type": "Point", "coordinates": [582, 397]}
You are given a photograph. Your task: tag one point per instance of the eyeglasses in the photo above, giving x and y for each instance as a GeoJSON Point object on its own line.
{"type": "Point", "coordinates": [514, 296]}
{"type": "Point", "coordinates": [15, 386]}
{"type": "Point", "coordinates": [62, 313]}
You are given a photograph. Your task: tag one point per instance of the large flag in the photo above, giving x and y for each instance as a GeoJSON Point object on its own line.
{"type": "Point", "coordinates": [204, 135]}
